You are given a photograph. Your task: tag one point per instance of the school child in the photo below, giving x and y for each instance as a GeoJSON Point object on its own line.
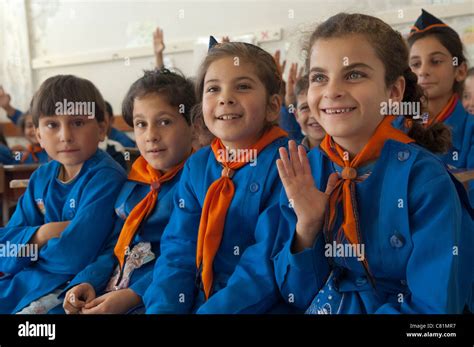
{"type": "Point", "coordinates": [437, 58]}
{"type": "Point", "coordinates": [376, 224]}
{"type": "Point", "coordinates": [12, 113]}
{"type": "Point", "coordinates": [468, 92]}
{"type": "Point", "coordinates": [6, 156]}
{"type": "Point", "coordinates": [115, 134]}
{"type": "Point", "coordinates": [287, 119]}
{"type": "Point", "coordinates": [216, 249]}
{"type": "Point", "coordinates": [33, 153]}
{"type": "Point", "coordinates": [66, 214]}
{"type": "Point", "coordinates": [314, 133]}
{"type": "Point", "coordinates": [163, 133]}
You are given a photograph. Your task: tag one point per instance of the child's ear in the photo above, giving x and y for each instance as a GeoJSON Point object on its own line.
{"type": "Point", "coordinates": [397, 89]}
{"type": "Point", "coordinates": [103, 127]}
{"type": "Point", "coordinates": [273, 108]}
{"type": "Point", "coordinates": [38, 136]}
{"type": "Point", "coordinates": [460, 73]}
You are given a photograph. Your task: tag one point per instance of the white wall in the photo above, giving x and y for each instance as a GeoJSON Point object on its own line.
{"type": "Point", "coordinates": [75, 29]}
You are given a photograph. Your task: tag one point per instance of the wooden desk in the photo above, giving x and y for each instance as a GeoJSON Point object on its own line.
{"type": "Point", "coordinates": [464, 176]}
{"type": "Point", "coordinates": [8, 195]}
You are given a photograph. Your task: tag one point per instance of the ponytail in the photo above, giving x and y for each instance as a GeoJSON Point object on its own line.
{"type": "Point", "coordinates": [436, 137]}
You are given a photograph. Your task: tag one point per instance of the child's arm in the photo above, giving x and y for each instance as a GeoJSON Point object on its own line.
{"type": "Point", "coordinates": [173, 288]}
{"type": "Point", "coordinates": [87, 232]}
{"type": "Point", "coordinates": [24, 223]}
{"type": "Point", "coordinates": [159, 47]}
{"type": "Point", "coordinates": [301, 268]}
{"type": "Point", "coordinates": [98, 273]}
{"type": "Point", "coordinates": [440, 261]}
{"type": "Point", "coordinates": [12, 113]}
{"type": "Point", "coordinates": [48, 231]}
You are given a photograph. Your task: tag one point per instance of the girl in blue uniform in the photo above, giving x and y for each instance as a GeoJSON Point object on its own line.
{"type": "Point", "coordinates": [437, 58]}
{"type": "Point", "coordinates": [375, 222]}
{"type": "Point", "coordinates": [66, 214]}
{"type": "Point", "coordinates": [216, 249]}
{"type": "Point", "coordinates": [145, 203]}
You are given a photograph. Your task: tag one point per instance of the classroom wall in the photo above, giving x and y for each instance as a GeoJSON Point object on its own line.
{"type": "Point", "coordinates": [89, 33]}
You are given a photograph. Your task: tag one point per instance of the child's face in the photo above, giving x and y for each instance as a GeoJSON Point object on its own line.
{"type": "Point", "coordinates": [433, 64]}
{"type": "Point", "coordinates": [70, 140]}
{"type": "Point", "coordinates": [30, 132]}
{"type": "Point", "coordinates": [347, 87]}
{"type": "Point", "coordinates": [235, 103]}
{"type": "Point", "coordinates": [307, 122]}
{"type": "Point", "coordinates": [468, 95]}
{"type": "Point", "coordinates": [161, 132]}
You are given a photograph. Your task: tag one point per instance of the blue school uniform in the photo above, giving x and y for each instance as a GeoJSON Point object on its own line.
{"type": "Point", "coordinates": [243, 272]}
{"type": "Point", "coordinates": [42, 156]}
{"type": "Point", "coordinates": [99, 273]}
{"type": "Point", "coordinates": [86, 202]}
{"type": "Point", "coordinates": [119, 136]}
{"type": "Point", "coordinates": [290, 125]}
{"type": "Point", "coordinates": [6, 157]}
{"type": "Point", "coordinates": [461, 155]}
{"type": "Point", "coordinates": [410, 216]}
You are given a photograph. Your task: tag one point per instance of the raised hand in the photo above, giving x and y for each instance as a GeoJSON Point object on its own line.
{"type": "Point", "coordinates": [158, 47]}
{"type": "Point", "coordinates": [290, 97]}
{"type": "Point", "coordinates": [5, 100]}
{"type": "Point", "coordinates": [281, 67]}
{"type": "Point", "coordinates": [307, 201]}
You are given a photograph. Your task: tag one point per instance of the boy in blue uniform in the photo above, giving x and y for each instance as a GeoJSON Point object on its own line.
{"type": "Point", "coordinates": [65, 216]}
{"type": "Point", "coordinates": [152, 108]}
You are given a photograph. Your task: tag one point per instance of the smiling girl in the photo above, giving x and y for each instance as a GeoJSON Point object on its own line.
{"type": "Point", "coordinates": [368, 232]}
{"type": "Point", "coordinates": [217, 246]}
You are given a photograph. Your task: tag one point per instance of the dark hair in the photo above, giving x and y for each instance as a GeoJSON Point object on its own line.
{"type": "Point", "coordinates": [392, 50]}
{"type": "Point", "coordinates": [265, 66]}
{"type": "Point", "coordinates": [58, 88]}
{"type": "Point", "coordinates": [22, 120]}
{"type": "Point", "coordinates": [302, 85]}
{"type": "Point", "coordinates": [450, 39]}
{"type": "Point", "coordinates": [109, 109]}
{"type": "Point", "coordinates": [177, 90]}
{"type": "Point", "coordinates": [3, 139]}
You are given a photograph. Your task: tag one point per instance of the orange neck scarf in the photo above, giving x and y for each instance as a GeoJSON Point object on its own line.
{"type": "Point", "coordinates": [31, 150]}
{"type": "Point", "coordinates": [217, 202]}
{"type": "Point", "coordinates": [442, 116]}
{"type": "Point", "coordinates": [445, 112]}
{"type": "Point", "coordinates": [142, 172]}
{"type": "Point", "coordinates": [344, 190]}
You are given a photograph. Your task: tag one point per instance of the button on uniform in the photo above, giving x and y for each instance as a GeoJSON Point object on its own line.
{"type": "Point", "coordinates": [254, 187]}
